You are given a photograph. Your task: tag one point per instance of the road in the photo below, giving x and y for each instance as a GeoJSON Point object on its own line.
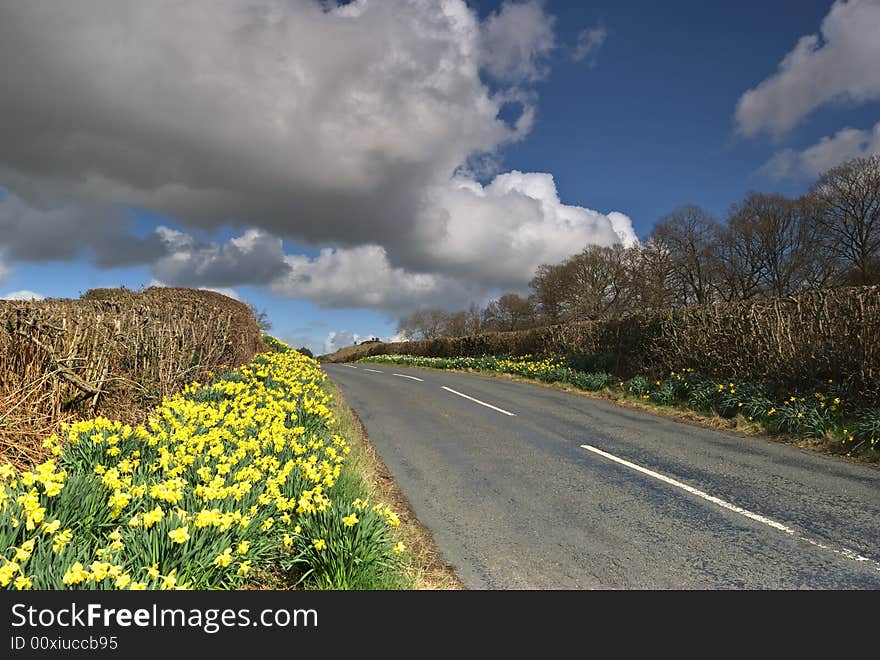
{"type": "Point", "coordinates": [526, 487]}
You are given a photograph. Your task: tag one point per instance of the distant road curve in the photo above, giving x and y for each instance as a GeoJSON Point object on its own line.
{"type": "Point", "coordinates": [528, 487]}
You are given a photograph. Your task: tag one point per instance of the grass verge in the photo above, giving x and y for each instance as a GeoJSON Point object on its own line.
{"type": "Point", "coordinates": [367, 476]}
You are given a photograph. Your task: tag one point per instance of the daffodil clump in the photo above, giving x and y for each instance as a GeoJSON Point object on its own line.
{"type": "Point", "coordinates": [224, 478]}
{"type": "Point", "coordinates": [824, 413]}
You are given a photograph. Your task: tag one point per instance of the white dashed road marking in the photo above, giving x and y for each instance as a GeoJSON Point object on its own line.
{"type": "Point", "coordinates": [410, 377]}
{"type": "Point", "coordinates": [482, 403]}
{"type": "Point", "coordinates": [849, 554]}
{"type": "Point", "coordinates": [375, 371]}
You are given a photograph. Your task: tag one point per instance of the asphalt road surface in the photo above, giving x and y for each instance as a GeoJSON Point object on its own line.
{"type": "Point", "coordinates": [525, 487]}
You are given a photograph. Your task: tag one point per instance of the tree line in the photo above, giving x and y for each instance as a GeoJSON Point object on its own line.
{"type": "Point", "coordinates": [768, 245]}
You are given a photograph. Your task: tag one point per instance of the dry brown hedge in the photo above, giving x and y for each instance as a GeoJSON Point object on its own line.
{"type": "Point", "coordinates": [791, 341]}
{"type": "Point", "coordinates": [113, 351]}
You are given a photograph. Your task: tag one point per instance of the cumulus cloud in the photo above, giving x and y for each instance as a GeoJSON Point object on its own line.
{"type": "Point", "coordinates": [252, 258]}
{"type": "Point", "coordinates": [311, 124]}
{"type": "Point", "coordinates": [474, 239]}
{"type": "Point", "coordinates": [589, 41]}
{"type": "Point", "coordinates": [340, 339]}
{"type": "Point", "coordinates": [516, 41]}
{"type": "Point", "coordinates": [64, 232]}
{"type": "Point", "coordinates": [24, 294]}
{"type": "Point", "coordinates": [363, 126]}
{"type": "Point", "coordinates": [363, 277]}
{"type": "Point", "coordinates": [841, 64]}
{"type": "Point", "coordinates": [500, 233]}
{"type": "Point", "coordinates": [846, 144]}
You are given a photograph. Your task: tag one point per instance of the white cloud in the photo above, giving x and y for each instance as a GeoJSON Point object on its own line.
{"type": "Point", "coordinates": [516, 41]}
{"type": "Point", "coordinates": [363, 277]}
{"type": "Point", "coordinates": [846, 144]}
{"type": "Point", "coordinates": [64, 232]}
{"type": "Point", "coordinates": [589, 41]}
{"type": "Point", "coordinates": [474, 239]}
{"type": "Point", "coordinates": [350, 126]}
{"type": "Point", "coordinates": [310, 124]}
{"type": "Point", "coordinates": [622, 226]}
{"type": "Point", "coordinates": [843, 64]}
{"type": "Point", "coordinates": [500, 233]}
{"type": "Point", "coordinates": [252, 258]}
{"type": "Point", "coordinates": [24, 294]}
{"type": "Point", "coordinates": [340, 339]}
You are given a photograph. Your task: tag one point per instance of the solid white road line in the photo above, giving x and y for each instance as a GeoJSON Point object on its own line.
{"type": "Point", "coordinates": [692, 490]}
{"type": "Point", "coordinates": [410, 377]}
{"type": "Point", "coordinates": [375, 371]}
{"type": "Point", "coordinates": [849, 554]}
{"type": "Point", "coordinates": [482, 403]}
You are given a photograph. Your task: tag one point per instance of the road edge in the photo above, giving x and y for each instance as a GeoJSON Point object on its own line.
{"type": "Point", "coordinates": [425, 564]}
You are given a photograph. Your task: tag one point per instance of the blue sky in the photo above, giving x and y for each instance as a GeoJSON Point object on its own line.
{"type": "Point", "coordinates": [644, 123]}
{"type": "Point", "coordinates": [651, 126]}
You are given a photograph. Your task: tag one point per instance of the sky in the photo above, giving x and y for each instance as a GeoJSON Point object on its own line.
{"type": "Point", "coordinates": [339, 165]}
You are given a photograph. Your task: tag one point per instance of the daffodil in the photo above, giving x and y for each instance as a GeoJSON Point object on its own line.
{"type": "Point", "coordinates": [224, 558]}
{"type": "Point", "coordinates": [22, 583]}
{"type": "Point", "coordinates": [7, 571]}
{"type": "Point", "coordinates": [61, 539]}
{"type": "Point", "coordinates": [25, 551]}
{"type": "Point", "coordinates": [52, 527]}
{"type": "Point", "coordinates": [76, 574]}
{"type": "Point", "coordinates": [179, 535]}
{"type": "Point", "coordinates": [168, 581]}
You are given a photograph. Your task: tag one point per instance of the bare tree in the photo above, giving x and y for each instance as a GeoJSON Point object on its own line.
{"type": "Point", "coordinates": [821, 267]}
{"type": "Point", "coordinates": [652, 274]}
{"type": "Point", "coordinates": [598, 282]}
{"type": "Point", "coordinates": [765, 247]}
{"type": "Point", "coordinates": [550, 287]}
{"type": "Point", "coordinates": [425, 323]}
{"type": "Point", "coordinates": [455, 325]}
{"type": "Point", "coordinates": [473, 319]}
{"type": "Point", "coordinates": [848, 216]}
{"type": "Point", "coordinates": [738, 251]}
{"type": "Point", "coordinates": [509, 312]}
{"type": "Point", "coordinates": [690, 234]}
{"type": "Point", "coordinates": [786, 239]}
